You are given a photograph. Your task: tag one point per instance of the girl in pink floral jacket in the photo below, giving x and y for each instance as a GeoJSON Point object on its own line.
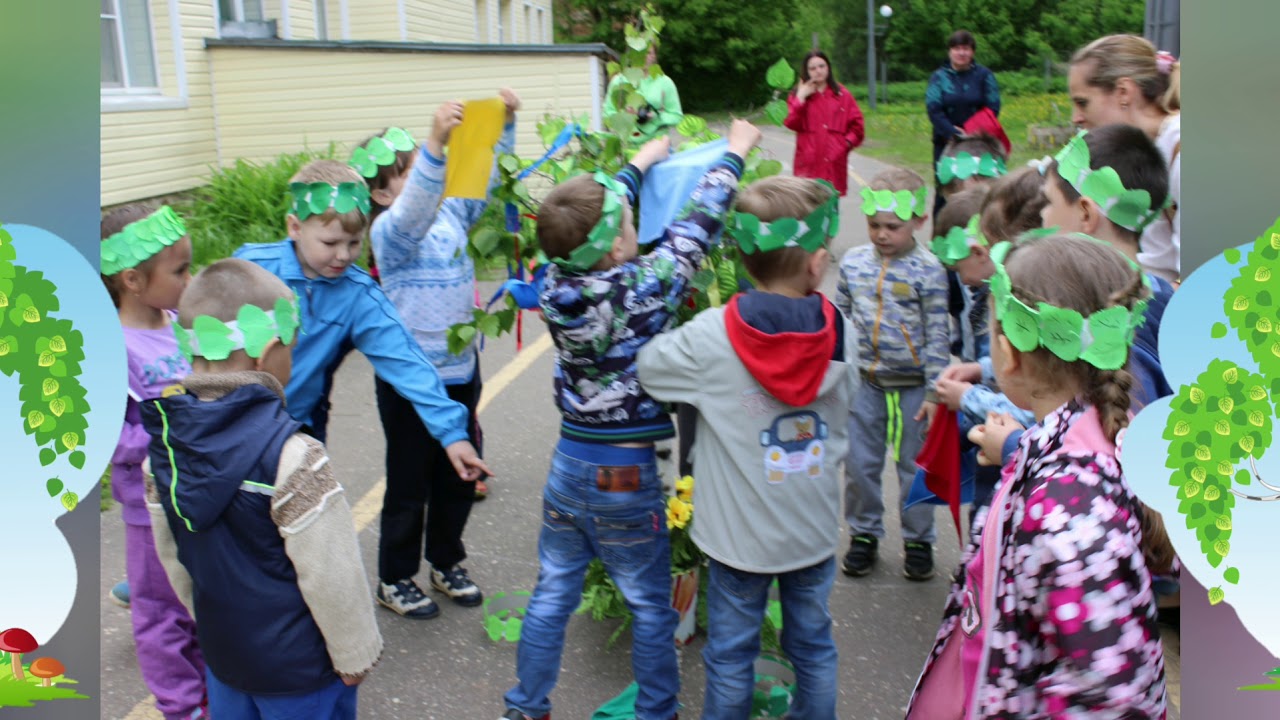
{"type": "Point", "coordinates": [1051, 614]}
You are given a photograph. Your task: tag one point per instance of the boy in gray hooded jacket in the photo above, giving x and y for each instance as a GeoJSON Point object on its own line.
{"type": "Point", "coordinates": [771, 432]}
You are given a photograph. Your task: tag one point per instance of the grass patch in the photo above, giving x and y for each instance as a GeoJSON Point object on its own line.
{"type": "Point", "coordinates": [27, 693]}
{"type": "Point", "coordinates": [900, 133]}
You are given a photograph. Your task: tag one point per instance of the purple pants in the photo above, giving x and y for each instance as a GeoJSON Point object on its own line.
{"type": "Point", "coordinates": [163, 632]}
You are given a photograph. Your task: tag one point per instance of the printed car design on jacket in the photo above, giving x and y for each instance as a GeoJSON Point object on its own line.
{"type": "Point", "coordinates": [801, 451]}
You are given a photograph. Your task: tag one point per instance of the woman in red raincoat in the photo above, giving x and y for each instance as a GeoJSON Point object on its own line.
{"type": "Point", "coordinates": [827, 122]}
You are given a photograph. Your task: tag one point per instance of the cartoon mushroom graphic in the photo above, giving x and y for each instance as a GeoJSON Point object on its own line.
{"type": "Point", "coordinates": [17, 641]}
{"type": "Point", "coordinates": [46, 668]}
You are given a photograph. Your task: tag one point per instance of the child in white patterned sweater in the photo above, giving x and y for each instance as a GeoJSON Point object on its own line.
{"type": "Point", "coordinates": [420, 245]}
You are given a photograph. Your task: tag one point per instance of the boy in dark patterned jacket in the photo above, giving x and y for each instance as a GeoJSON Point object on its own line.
{"type": "Point", "coordinates": [603, 498]}
{"type": "Point", "coordinates": [895, 293]}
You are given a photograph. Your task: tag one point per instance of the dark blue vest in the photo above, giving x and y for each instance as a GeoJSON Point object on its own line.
{"type": "Point", "coordinates": [255, 630]}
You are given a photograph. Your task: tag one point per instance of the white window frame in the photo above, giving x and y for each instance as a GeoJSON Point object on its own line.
{"type": "Point", "coordinates": [542, 26]}
{"type": "Point", "coordinates": [237, 7]}
{"type": "Point", "coordinates": [505, 24]}
{"type": "Point", "coordinates": [125, 99]}
{"type": "Point", "coordinates": [322, 19]}
{"type": "Point", "coordinates": [123, 57]}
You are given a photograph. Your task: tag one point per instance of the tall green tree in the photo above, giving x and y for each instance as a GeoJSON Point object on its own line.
{"type": "Point", "coordinates": [714, 50]}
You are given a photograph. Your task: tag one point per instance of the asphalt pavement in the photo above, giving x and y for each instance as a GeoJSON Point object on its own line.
{"type": "Point", "coordinates": [447, 668]}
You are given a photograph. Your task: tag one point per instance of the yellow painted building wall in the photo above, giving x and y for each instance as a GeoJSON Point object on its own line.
{"type": "Point", "coordinates": [148, 152]}
{"type": "Point", "coordinates": [272, 101]}
{"type": "Point", "coordinates": [302, 19]}
{"type": "Point", "coordinates": [259, 102]}
{"type": "Point", "coordinates": [451, 21]}
{"type": "Point", "coordinates": [372, 20]}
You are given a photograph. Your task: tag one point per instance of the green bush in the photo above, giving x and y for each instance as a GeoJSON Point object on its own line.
{"type": "Point", "coordinates": [246, 202]}
{"type": "Point", "coordinates": [1012, 84]}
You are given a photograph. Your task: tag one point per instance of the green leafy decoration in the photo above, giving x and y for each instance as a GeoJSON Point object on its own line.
{"type": "Point", "coordinates": [780, 75]}
{"type": "Point", "coordinates": [1252, 305]}
{"type": "Point", "coordinates": [1221, 420]}
{"type": "Point", "coordinates": [45, 352]}
{"type": "Point", "coordinates": [691, 126]}
{"type": "Point", "coordinates": [776, 111]}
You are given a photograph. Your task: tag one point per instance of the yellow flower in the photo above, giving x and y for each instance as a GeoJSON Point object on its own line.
{"type": "Point", "coordinates": [679, 512]}
{"type": "Point", "coordinates": [684, 488]}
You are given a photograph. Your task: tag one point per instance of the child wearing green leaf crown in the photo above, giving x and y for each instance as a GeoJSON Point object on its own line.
{"type": "Point", "coordinates": [895, 293]}
{"type": "Point", "coordinates": [966, 162]}
{"type": "Point", "coordinates": [602, 301]}
{"type": "Point", "coordinates": [772, 431]}
{"type": "Point", "coordinates": [1109, 183]}
{"type": "Point", "coordinates": [145, 261]}
{"type": "Point", "coordinates": [251, 526]}
{"type": "Point", "coordinates": [345, 309]}
{"type": "Point", "coordinates": [420, 244]}
{"type": "Point", "coordinates": [964, 233]}
{"type": "Point", "coordinates": [1052, 612]}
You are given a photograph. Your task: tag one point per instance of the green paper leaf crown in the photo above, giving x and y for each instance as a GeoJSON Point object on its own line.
{"type": "Point", "coordinates": [963, 166]}
{"type": "Point", "coordinates": [1130, 209]}
{"type": "Point", "coordinates": [811, 233]}
{"type": "Point", "coordinates": [380, 151]}
{"type": "Point", "coordinates": [504, 615]}
{"type": "Point", "coordinates": [316, 198]}
{"type": "Point", "coordinates": [954, 246]}
{"type": "Point", "coordinates": [1102, 339]}
{"type": "Point", "coordinates": [213, 339]}
{"type": "Point", "coordinates": [903, 203]}
{"type": "Point", "coordinates": [141, 240]}
{"type": "Point", "coordinates": [600, 240]}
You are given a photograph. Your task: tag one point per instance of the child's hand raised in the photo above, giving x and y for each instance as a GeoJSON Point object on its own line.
{"type": "Point", "coordinates": [448, 117]}
{"type": "Point", "coordinates": [652, 152]}
{"type": "Point", "coordinates": [466, 462]}
{"type": "Point", "coordinates": [742, 137]}
{"type": "Point", "coordinates": [512, 101]}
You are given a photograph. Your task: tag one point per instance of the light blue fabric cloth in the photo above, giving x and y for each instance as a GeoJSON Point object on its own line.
{"type": "Point", "coordinates": [668, 185]}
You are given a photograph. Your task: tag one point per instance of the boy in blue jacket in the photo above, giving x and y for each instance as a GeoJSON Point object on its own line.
{"type": "Point", "coordinates": [344, 309]}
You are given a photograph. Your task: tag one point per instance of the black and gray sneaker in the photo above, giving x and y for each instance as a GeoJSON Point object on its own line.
{"type": "Point", "coordinates": [406, 598]}
{"type": "Point", "coordinates": [861, 556]}
{"type": "Point", "coordinates": [917, 563]}
{"type": "Point", "coordinates": [455, 583]}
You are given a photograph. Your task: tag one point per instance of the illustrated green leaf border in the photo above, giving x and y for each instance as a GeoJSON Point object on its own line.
{"type": "Point", "coordinates": [45, 352]}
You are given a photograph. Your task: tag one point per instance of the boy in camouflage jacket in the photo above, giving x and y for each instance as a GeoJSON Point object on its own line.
{"type": "Point", "coordinates": [895, 293]}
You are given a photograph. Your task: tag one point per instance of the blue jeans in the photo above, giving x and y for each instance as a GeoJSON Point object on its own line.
{"type": "Point", "coordinates": [334, 702]}
{"type": "Point", "coordinates": [735, 609]}
{"type": "Point", "coordinates": [628, 532]}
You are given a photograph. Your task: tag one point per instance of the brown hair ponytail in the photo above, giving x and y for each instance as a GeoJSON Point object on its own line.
{"type": "Point", "coordinates": [1082, 274]}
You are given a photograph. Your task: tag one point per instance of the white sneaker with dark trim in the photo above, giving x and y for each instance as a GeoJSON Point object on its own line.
{"type": "Point", "coordinates": [455, 583]}
{"type": "Point", "coordinates": [406, 598]}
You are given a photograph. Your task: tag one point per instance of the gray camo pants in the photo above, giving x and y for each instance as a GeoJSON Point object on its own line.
{"type": "Point", "coordinates": [868, 441]}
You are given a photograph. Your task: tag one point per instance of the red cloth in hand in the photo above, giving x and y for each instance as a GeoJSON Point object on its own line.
{"type": "Point", "coordinates": [939, 458]}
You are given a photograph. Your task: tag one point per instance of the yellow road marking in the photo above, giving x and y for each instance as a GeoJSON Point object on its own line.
{"type": "Point", "coordinates": [370, 505]}
{"type": "Point", "coordinates": [512, 370]}
{"type": "Point", "coordinates": [856, 177]}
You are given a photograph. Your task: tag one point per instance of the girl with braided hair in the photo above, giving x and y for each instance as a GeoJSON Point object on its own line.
{"type": "Point", "coordinates": [1052, 613]}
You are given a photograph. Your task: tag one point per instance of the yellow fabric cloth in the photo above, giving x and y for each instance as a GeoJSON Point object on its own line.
{"type": "Point", "coordinates": [471, 148]}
